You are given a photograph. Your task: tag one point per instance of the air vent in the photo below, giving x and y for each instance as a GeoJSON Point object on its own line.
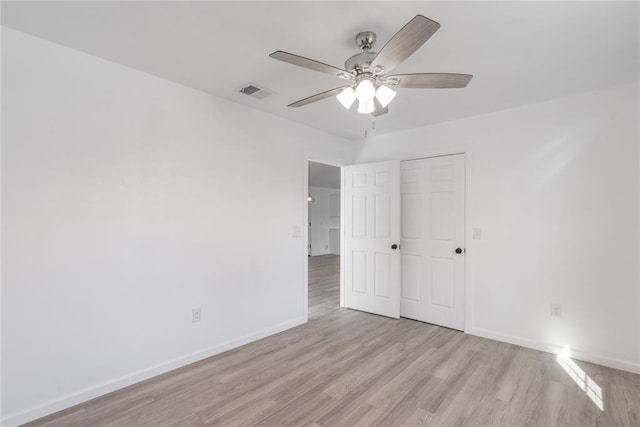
{"type": "Point", "coordinates": [254, 91]}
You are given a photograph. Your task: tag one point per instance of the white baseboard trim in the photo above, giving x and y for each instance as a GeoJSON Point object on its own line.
{"type": "Point", "coordinates": [98, 390]}
{"type": "Point", "coordinates": [554, 349]}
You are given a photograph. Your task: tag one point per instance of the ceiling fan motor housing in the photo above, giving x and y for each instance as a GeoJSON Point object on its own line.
{"type": "Point", "coordinates": [360, 62]}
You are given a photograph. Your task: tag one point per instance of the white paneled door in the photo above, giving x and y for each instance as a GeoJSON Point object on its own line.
{"type": "Point", "coordinates": [433, 240]}
{"type": "Point", "coordinates": [372, 238]}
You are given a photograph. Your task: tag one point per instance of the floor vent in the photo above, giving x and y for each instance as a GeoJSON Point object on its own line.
{"type": "Point", "coordinates": [254, 91]}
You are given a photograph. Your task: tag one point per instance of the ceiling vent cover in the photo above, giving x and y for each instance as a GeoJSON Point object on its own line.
{"type": "Point", "coordinates": [254, 91]}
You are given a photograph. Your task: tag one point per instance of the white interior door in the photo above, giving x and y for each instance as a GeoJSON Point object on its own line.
{"type": "Point", "coordinates": [372, 227]}
{"type": "Point", "coordinates": [433, 240]}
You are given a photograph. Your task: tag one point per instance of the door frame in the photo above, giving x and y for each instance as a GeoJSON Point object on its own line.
{"type": "Point", "coordinates": [425, 153]}
{"type": "Point", "coordinates": [305, 239]}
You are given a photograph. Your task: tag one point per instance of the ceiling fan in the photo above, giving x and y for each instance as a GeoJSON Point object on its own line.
{"type": "Point", "coordinates": [367, 71]}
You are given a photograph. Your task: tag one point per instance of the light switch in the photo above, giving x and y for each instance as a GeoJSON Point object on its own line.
{"type": "Point", "coordinates": [295, 231]}
{"type": "Point", "coordinates": [477, 234]}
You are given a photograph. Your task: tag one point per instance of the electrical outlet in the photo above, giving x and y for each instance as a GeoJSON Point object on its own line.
{"type": "Point", "coordinates": [556, 310]}
{"type": "Point", "coordinates": [196, 315]}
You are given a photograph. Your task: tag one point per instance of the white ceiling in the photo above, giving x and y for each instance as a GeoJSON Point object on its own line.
{"type": "Point", "coordinates": [518, 52]}
{"type": "Point", "coordinates": [324, 176]}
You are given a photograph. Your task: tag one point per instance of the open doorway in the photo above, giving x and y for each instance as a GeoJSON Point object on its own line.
{"type": "Point", "coordinates": [324, 239]}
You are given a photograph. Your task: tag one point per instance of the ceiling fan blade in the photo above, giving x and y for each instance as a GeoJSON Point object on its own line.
{"type": "Point", "coordinates": [380, 110]}
{"type": "Point", "coordinates": [406, 41]}
{"type": "Point", "coordinates": [318, 97]}
{"type": "Point", "coordinates": [301, 61]}
{"type": "Point", "coordinates": [431, 80]}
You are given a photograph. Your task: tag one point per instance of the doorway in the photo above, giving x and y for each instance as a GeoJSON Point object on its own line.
{"type": "Point", "coordinates": [324, 238]}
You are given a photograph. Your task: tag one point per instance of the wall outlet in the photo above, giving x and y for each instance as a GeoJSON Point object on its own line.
{"type": "Point", "coordinates": [196, 315]}
{"type": "Point", "coordinates": [296, 232]}
{"type": "Point", "coordinates": [556, 310]}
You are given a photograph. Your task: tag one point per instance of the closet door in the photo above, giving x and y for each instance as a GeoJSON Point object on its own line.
{"type": "Point", "coordinates": [371, 197]}
{"type": "Point", "coordinates": [432, 194]}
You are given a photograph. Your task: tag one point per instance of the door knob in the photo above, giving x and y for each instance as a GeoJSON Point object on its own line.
{"type": "Point", "coordinates": [458, 250]}
{"type": "Point", "coordinates": [394, 246]}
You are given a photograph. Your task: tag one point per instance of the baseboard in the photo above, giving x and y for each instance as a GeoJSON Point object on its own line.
{"type": "Point", "coordinates": [98, 390]}
{"type": "Point", "coordinates": [554, 349]}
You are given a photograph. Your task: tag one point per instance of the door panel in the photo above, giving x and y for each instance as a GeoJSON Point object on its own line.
{"type": "Point", "coordinates": [382, 216]}
{"type": "Point", "coordinates": [372, 225]}
{"type": "Point", "coordinates": [382, 275]}
{"type": "Point", "coordinates": [432, 196]}
{"type": "Point", "coordinates": [359, 217]}
{"type": "Point", "coordinates": [411, 277]}
{"type": "Point", "coordinates": [359, 272]}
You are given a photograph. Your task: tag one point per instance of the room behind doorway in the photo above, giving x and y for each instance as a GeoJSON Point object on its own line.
{"type": "Point", "coordinates": [324, 238]}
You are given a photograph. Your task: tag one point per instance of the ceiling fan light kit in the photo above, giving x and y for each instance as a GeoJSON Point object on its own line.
{"type": "Point", "coordinates": [367, 70]}
{"type": "Point", "coordinates": [385, 95]}
{"type": "Point", "coordinates": [347, 97]}
{"type": "Point", "coordinates": [366, 107]}
{"type": "Point", "coordinates": [365, 90]}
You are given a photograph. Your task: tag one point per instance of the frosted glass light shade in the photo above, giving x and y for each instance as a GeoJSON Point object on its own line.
{"type": "Point", "coordinates": [365, 91]}
{"type": "Point", "coordinates": [347, 97]}
{"type": "Point", "coordinates": [366, 107]}
{"type": "Point", "coordinates": [385, 95]}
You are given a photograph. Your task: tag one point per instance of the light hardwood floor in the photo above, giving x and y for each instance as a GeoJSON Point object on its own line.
{"type": "Point", "coordinates": [347, 368]}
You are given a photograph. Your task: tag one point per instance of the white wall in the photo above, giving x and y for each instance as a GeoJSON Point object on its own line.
{"type": "Point", "coordinates": [322, 220]}
{"type": "Point", "coordinates": [554, 188]}
{"type": "Point", "coordinates": [127, 201]}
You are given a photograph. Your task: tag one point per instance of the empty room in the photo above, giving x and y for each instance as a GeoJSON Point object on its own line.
{"type": "Point", "coordinates": [320, 213]}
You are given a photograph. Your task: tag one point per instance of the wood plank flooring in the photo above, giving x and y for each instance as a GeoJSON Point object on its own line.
{"type": "Point", "coordinates": [347, 368]}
